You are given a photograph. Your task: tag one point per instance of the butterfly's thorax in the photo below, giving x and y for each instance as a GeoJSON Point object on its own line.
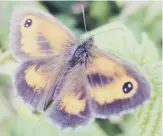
{"type": "Point", "coordinates": [82, 52]}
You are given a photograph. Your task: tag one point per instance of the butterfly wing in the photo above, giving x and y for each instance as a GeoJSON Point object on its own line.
{"type": "Point", "coordinates": [35, 34]}
{"type": "Point", "coordinates": [115, 86]}
{"type": "Point", "coordinates": [35, 81]}
{"type": "Point", "coordinates": [71, 106]}
{"type": "Point", "coordinates": [41, 42]}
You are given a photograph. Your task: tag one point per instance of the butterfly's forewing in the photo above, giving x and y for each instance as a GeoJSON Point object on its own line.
{"type": "Point", "coordinates": [71, 108]}
{"type": "Point", "coordinates": [35, 34]}
{"type": "Point", "coordinates": [115, 86]}
{"type": "Point", "coordinates": [35, 80]}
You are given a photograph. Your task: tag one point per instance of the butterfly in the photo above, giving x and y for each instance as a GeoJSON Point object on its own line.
{"type": "Point", "coordinates": [72, 81]}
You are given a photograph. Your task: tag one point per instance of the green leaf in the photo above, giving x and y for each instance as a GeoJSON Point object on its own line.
{"type": "Point", "coordinates": [146, 17]}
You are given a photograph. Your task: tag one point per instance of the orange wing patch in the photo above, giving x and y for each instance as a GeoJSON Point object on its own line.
{"type": "Point", "coordinates": [56, 36]}
{"type": "Point", "coordinates": [101, 89]}
{"type": "Point", "coordinates": [29, 37]}
{"type": "Point", "coordinates": [35, 78]}
{"type": "Point", "coordinates": [105, 66]}
{"type": "Point", "coordinates": [112, 91]}
{"type": "Point", "coordinates": [73, 103]}
{"type": "Point", "coordinates": [72, 108]}
{"type": "Point", "coordinates": [35, 34]}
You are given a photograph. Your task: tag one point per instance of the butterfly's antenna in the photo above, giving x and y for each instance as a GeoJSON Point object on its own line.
{"type": "Point", "coordinates": [84, 17]}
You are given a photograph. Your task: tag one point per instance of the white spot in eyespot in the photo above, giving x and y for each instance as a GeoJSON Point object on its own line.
{"type": "Point", "coordinates": [125, 89]}
{"type": "Point", "coordinates": [129, 85]}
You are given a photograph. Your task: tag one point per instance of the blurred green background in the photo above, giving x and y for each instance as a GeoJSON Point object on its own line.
{"type": "Point", "coordinates": [144, 30]}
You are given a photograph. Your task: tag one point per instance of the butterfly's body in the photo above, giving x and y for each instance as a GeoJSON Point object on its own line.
{"type": "Point", "coordinates": [82, 52]}
{"type": "Point", "coordinates": [72, 82]}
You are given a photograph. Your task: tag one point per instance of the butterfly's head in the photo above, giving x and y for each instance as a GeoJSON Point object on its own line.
{"type": "Point", "coordinates": [88, 43]}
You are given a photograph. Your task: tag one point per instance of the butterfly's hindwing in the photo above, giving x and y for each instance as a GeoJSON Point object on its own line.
{"type": "Point", "coordinates": [35, 81]}
{"type": "Point", "coordinates": [71, 108]}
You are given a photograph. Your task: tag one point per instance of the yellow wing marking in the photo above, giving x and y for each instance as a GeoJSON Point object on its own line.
{"type": "Point", "coordinates": [113, 90]}
{"type": "Point", "coordinates": [56, 35]}
{"type": "Point", "coordinates": [72, 104]}
{"type": "Point", "coordinates": [35, 78]}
